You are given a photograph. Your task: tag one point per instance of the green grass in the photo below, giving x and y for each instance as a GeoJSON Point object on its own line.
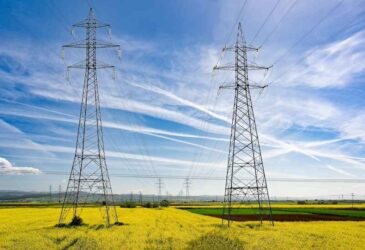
{"type": "Point", "coordinates": [238, 211]}
{"type": "Point", "coordinates": [340, 212]}
{"type": "Point", "coordinates": [246, 211]}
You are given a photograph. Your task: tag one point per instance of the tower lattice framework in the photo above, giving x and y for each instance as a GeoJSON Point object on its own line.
{"type": "Point", "coordinates": [89, 179]}
{"type": "Point", "coordinates": [245, 178]}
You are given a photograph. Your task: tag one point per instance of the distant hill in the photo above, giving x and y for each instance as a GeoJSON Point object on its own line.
{"type": "Point", "coordinates": [11, 195]}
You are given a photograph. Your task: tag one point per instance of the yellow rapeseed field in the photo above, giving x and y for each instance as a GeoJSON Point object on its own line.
{"type": "Point", "coordinates": [169, 228]}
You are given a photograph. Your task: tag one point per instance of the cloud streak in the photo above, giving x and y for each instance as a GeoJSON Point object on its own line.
{"type": "Point", "coordinates": [332, 65]}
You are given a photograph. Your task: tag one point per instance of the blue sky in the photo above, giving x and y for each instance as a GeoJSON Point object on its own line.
{"type": "Point", "coordinates": [162, 114]}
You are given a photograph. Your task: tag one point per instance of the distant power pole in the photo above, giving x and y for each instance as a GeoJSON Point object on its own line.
{"type": "Point", "coordinates": [187, 184]}
{"type": "Point", "coordinates": [89, 175]}
{"type": "Point", "coordinates": [352, 199]}
{"type": "Point", "coordinates": [131, 197]}
{"type": "Point", "coordinates": [140, 197]}
{"type": "Point", "coordinates": [59, 193]}
{"type": "Point", "coordinates": [159, 186]}
{"type": "Point", "coordinates": [50, 193]}
{"type": "Point", "coordinates": [245, 178]}
{"type": "Point", "coordinates": [180, 195]}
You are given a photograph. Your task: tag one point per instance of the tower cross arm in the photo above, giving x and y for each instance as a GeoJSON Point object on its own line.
{"type": "Point", "coordinates": [84, 44]}
{"type": "Point", "coordinates": [234, 67]}
{"type": "Point", "coordinates": [251, 86]}
{"type": "Point", "coordinates": [243, 47]}
{"type": "Point", "coordinates": [83, 65]}
{"type": "Point", "coordinates": [93, 23]}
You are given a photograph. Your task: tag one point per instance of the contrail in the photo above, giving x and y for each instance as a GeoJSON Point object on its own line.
{"type": "Point", "coordinates": [137, 129]}
{"type": "Point", "coordinates": [286, 147]}
{"type": "Point", "coordinates": [172, 96]}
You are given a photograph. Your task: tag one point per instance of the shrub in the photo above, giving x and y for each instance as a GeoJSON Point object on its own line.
{"type": "Point", "coordinates": [150, 205]}
{"type": "Point", "coordinates": [164, 203]}
{"type": "Point", "coordinates": [76, 221]}
{"type": "Point", "coordinates": [147, 205]}
{"type": "Point", "coordinates": [129, 204]}
{"type": "Point", "coordinates": [118, 223]}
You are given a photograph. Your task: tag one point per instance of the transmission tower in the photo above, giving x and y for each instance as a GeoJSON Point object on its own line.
{"type": "Point", "coordinates": [159, 186]}
{"type": "Point", "coordinates": [89, 174]}
{"type": "Point", "coordinates": [187, 184]}
{"type": "Point", "coordinates": [59, 193]}
{"type": "Point", "coordinates": [245, 179]}
{"type": "Point", "coordinates": [140, 198]}
{"type": "Point", "coordinates": [50, 193]}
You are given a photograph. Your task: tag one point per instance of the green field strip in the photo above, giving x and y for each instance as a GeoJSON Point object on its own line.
{"type": "Point", "coordinates": [337, 212]}
{"type": "Point", "coordinates": [247, 211]}
{"type": "Point", "coordinates": [237, 211]}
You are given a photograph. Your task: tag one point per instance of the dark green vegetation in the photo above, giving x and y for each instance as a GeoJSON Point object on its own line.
{"type": "Point", "coordinates": [132, 204]}
{"type": "Point", "coordinates": [150, 205]}
{"type": "Point", "coordinates": [289, 213]}
{"type": "Point", "coordinates": [129, 204]}
{"type": "Point", "coordinates": [237, 211]}
{"type": "Point", "coordinates": [164, 203]}
{"type": "Point", "coordinates": [359, 213]}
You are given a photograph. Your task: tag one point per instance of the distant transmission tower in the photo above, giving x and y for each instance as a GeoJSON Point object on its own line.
{"type": "Point", "coordinates": [89, 174]}
{"type": "Point", "coordinates": [159, 186]}
{"type": "Point", "coordinates": [140, 198]}
{"type": "Point", "coordinates": [59, 193]}
{"type": "Point", "coordinates": [245, 179]}
{"type": "Point", "coordinates": [187, 184]}
{"type": "Point", "coordinates": [50, 193]}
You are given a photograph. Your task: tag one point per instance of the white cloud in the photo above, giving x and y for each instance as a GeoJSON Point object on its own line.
{"type": "Point", "coordinates": [162, 134]}
{"type": "Point", "coordinates": [181, 93]}
{"type": "Point", "coordinates": [123, 155]}
{"type": "Point", "coordinates": [183, 101]}
{"type": "Point", "coordinates": [7, 168]}
{"type": "Point", "coordinates": [332, 65]}
{"type": "Point", "coordinates": [340, 171]}
{"type": "Point", "coordinates": [13, 135]}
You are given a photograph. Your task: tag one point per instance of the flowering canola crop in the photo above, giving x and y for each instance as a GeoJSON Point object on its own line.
{"type": "Point", "coordinates": [169, 228]}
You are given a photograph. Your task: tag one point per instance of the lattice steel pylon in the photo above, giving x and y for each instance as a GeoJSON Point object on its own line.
{"type": "Point", "coordinates": [89, 179]}
{"type": "Point", "coordinates": [245, 179]}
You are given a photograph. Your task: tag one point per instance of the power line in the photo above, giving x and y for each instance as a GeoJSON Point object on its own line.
{"type": "Point", "coordinates": [159, 186]}
{"type": "Point", "coordinates": [145, 152]}
{"type": "Point", "coordinates": [218, 178]}
{"type": "Point", "coordinates": [329, 13]}
{"type": "Point", "coordinates": [233, 28]}
{"type": "Point", "coordinates": [89, 172]}
{"type": "Point", "coordinates": [313, 51]}
{"type": "Point", "coordinates": [198, 154]}
{"type": "Point", "coordinates": [245, 178]}
{"type": "Point", "coordinates": [278, 23]}
{"type": "Point", "coordinates": [187, 184]}
{"type": "Point", "coordinates": [237, 20]}
{"type": "Point", "coordinates": [265, 21]}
